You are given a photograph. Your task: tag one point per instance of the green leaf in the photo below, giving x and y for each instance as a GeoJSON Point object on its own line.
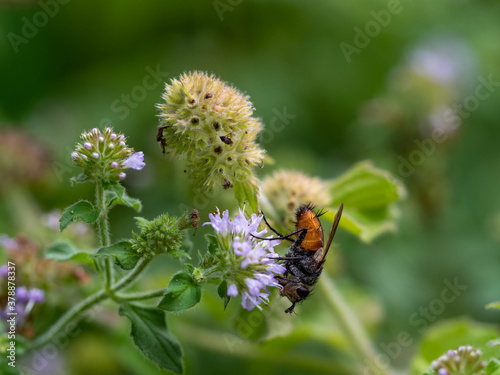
{"type": "Point", "coordinates": [366, 224]}
{"type": "Point", "coordinates": [182, 293]}
{"type": "Point", "coordinates": [493, 305]}
{"type": "Point", "coordinates": [450, 334]}
{"type": "Point", "coordinates": [366, 187]}
{"type": "Point", "coordinates": [495, 342]}
{"type": "Point", "coordinates": [119, 196]}
{"type": "Point", "coordinates": [369, 195]}
{"type": "Point", "coordinates": [150, 335]}
{"type": "Point", "coordinates": [119, 190]}
{"type": "Point", "coordinates": [246, 193]}
{"type": "Point", "coordinates": [82, 210]}
{"type": "Point", "coordinates": [125, 257]}
{"type": "Point", "coordinates": [213, 245]}
{"type": "Point", "coordinates": [222, 291]}
{"type": "Point", "coordinates": [80, 179]}
{"type": "Point", "coordinates": [492, 367]}
{"type": "Point", "coordinates": [64, 250]}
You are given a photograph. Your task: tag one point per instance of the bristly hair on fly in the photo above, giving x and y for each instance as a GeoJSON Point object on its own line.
{"type": "Point", "coordinates": [308, 206]}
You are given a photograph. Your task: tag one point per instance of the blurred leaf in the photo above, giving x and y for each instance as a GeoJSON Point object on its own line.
{"type": "Point", "coordinates": [125, 257]}
{"type": "Point", "coordinates": [495, 342]}
{"type": "Point", "coordinates": [82, 210]}
{"type": "Point", "coordinates": [450, 334]}
{"type": "Point", "coordinates": [366, 224]}
{"type": "Point", "coordinates": [368, 195]}
{"type": "Point", "coordinates": [246, 193]}
{"type": "Point", "coordinates": [493, 305]}
{"type": "Point", "coordinates": [222, 292]}
{"type": "Point", "coordinates": [213, 245]}
{"type": "Point", "coordinates": [119, 196]}
{"type": "Point", "coordinates": [150, 334]}
{"type": "Point", "coordinates": [366, 187]}
{"type": "Point", "coordinates": [492, 367]}
{"type": "Point", "coordinates": [64, 250]}
{"type": "Point", "coordinates": [80, 179]}
{"type": "Point", "coordinates": [182, 293]}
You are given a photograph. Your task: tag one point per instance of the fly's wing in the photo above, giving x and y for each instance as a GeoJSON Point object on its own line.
{"type": "Point", "coordinates": [336, 221]}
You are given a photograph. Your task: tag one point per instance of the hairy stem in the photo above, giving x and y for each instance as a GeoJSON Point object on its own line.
{"type": "Point", "coordinates": [103, 225]}
{"type": "Point", "coordinates": [351, 325]}
{"type": "Point", "coordinates": [139, 296]}
{"type": "Point", "coordinates": [75, 314]}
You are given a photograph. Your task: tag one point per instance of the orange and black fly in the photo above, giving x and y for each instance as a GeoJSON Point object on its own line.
{"type": "Point", "coordinates": [306, 256]}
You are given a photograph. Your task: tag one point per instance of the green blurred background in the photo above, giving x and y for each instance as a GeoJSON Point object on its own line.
{"type": "Point", "coordinates": [71, 75]}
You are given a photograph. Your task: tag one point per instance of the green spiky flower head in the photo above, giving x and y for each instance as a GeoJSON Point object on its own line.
{"type": "Point", "coordinates": [210, 125]}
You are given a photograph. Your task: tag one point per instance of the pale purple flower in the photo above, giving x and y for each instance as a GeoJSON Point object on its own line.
{"type": "Point", "coordinates": [22, 294]}
{"type": "Point", "coordinates": [135, 161]}
{"type": "Point", "coordinates": [220, 224]}
{"type": "Point", "coordinates": [114, 164]}
{"type": "Point", "coordinates": [74, 155]}
{"type": "Point", "coordinates": [254, 267]}
{"type": "Point", "coordinates": [87, 145]}
{"type": "Point", "coordinates": [4, 271]}
{"type": "Point", "coordinates": [10, 244]}
{"type": "Point", "coordinates": [95, 155]}
{"type": "Point", "coordinates": [232, 290]}
{"type": "Point", "coordinates": [122, 175]}
{"type": "Point", "coordinates": [36, 295]}
{"type": "Point", "coordinates": [51, 219]}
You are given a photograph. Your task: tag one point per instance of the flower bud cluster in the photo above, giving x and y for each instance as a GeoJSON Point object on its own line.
{"type": "Point", "coordinates": [464, 361]}
{"type": "Point", "coordinates": [104, 155]}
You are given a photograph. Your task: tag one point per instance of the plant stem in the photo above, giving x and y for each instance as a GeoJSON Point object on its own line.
{"type": "Point", "coordinates": [103, 225]}
{"type": "Point", "coordinates": [128, 279]}
{"type": "Point", "coordinates": [75, 313]}
{"type": "Point", "coordinates": [350, 324]}
{"type": "Point", "coordinates": [141, 295]}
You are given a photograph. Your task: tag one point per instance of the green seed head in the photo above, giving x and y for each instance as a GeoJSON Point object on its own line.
{"type": "Point", "coordinates": [210, 125]}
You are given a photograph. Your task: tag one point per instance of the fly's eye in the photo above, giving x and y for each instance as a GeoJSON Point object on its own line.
{"type": "Point", "coordinates": [302, 292]}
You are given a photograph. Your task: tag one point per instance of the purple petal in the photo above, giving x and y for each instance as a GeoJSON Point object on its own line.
{"type": "Point", "coordinates": [22, 294]}
{"type": "Point", "coordinates": [4, 271]}
{"type": "Point", "coordinates": [232, 290]}
{"type": "Point", "coordinates": [37, 295]}
{"type": "Point", "coordinates": [135, 161]}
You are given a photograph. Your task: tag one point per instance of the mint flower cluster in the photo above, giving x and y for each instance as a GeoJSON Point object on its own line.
{"type": "Point", "coordinates": [247, 263]}
{"type": "Point", "coordinates": [210, 125]}
{"type": "Point", "coordinates": [464, 361]}
{"type": "Point", "coordinates": [104, 155]}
